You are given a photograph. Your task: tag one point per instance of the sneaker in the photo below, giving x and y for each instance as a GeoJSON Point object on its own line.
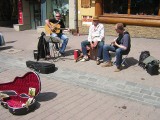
{"type": "Point", "coordinates": [84, 59]}
{"type": "Point", "coordinates": [98, 62]}
{"type": "Point", "coordinates": [48, 57]}
{"type": "Point", "coordinates": [118, 69]}
{"type": "Point", "coordinates": [62, 54]}
{"type": "Point", "coordinates": [57, 49]}
{"type": "Point", "coordinates": [107, 64]}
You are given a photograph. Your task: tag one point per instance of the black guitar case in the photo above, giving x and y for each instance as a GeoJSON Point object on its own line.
{"type": "Point", "coordinates": [41, 67]}
{"type": "Point", "coordinates": [19, 96]}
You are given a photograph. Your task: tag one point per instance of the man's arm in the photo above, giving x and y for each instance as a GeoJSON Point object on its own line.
{"type": "Point", "coordinates": [101, 32]}
{"type": "Point", "coordinates": [125, 42]}
{"type": "Point", "coordinates": [48, 23]}
{"type": "Point", "coordinates": [90, 34]}
{"type": "Point", "coordinates": [101, 35]}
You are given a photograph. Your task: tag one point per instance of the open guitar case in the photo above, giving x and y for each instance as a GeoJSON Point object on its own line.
{"type": "Point", "coordinates": [19, 96]}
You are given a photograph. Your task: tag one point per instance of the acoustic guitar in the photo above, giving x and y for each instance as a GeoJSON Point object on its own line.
{"type": "Point", "coordinates": [56, 28]}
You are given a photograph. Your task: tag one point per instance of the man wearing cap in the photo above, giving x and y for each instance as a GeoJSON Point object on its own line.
{"type": "Point", "coordinates": [121, 46]}
{"type": "Point", "coordinates": [95, 39]}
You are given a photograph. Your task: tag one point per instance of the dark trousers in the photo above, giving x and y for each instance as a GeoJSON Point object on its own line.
{"type": "Point", "coordinates": [118, 51]}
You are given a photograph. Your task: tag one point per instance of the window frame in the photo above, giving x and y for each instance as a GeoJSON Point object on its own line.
{"type": "Point", "coordinates": [130, 19]}
{"type": "Point", "coordinates": [129, 10]}
{"type": "Point", "coordinates": [85, 3]}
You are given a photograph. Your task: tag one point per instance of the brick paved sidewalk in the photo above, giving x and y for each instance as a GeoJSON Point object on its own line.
{"type": "Point", "coordinates": [75, 91]}
{"type": "Point", "coordinates": [62, 101]}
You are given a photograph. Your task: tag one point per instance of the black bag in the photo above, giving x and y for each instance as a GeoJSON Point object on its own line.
{"type": "Point", "coordinates": [142, 57]}
{"type": "Point", "coordinates": [35, 54]}
{"type": "Point", "coordinates": [41, 67]}
{"type": "Point", "coordinates": [153, 67]}
{"type": "Point", "coordinates": [43, 47]}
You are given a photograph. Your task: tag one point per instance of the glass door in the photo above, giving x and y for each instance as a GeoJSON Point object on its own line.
{"type": "Point", "coordinates": [61, 6]}
{"type": "Point", "coordinates": [35, 10]}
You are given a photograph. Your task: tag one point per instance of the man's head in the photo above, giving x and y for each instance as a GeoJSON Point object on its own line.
{"type": "Point", "coordinates": [95, 20]}
{"type": "Point", "coordinates": [57, 16]}
{"type": "Point", "coordinates": [119, 27]}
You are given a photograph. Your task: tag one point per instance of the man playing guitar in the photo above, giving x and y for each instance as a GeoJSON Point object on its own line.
{"type": "Point", "coordinates": [54, 28]}
{"type": "Point", "coordinates": [121, 46]}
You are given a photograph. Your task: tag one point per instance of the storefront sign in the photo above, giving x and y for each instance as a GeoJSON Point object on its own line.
{"type": "Point", "coordinates": [20, 13]}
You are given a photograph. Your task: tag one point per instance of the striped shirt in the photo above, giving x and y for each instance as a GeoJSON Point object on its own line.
{"type": "Point", "coordinates": [96, 33]}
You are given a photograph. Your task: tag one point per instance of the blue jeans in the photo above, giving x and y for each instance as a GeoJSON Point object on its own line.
{"type": "Point", "coordinates": [99, 45]}
{"type": "Point", "coordinates": [118, 51]}
{"type": "Point", "coordinates": [64, 39]}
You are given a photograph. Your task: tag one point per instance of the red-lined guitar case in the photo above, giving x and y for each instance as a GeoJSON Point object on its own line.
{"type": "Point", "coordinates": [21, 93]}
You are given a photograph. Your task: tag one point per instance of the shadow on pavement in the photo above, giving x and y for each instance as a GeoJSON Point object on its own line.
{"type": "Point", "coordinates": [5, 47]}
{"type": "Point", "coordinates": [130, 62]}
{"type": "Point", "coordinates": [63, 58]}
{"type": "Point", "coordinates": [37, 106]}
{"type": "Point", "coordinates": [46, 96]}
{"type": "Point", "coordinates": [11, 41]}
{"type": "Point", "coordinates": [69, 52]}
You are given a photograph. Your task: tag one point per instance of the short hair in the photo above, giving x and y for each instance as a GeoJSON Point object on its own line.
{"type": "Point", "coordinates": [120, 26]}
{"type": "Point", "coordinates": [58, 13]}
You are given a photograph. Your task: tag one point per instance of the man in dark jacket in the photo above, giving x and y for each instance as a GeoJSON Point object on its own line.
{"type": "Point", "coordinates": [121, 46]}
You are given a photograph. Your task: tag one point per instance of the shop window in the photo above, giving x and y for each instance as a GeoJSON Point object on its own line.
{"type": "Point", "coordinates": [116, 6]}
{"type": "Point", "coordinates": [61, 6]}
{"type": "Point", "coordinates": [137, 7]}
{"type": "Point", "coordinates": [144, 7]}
{"type": "Point", "coordinates": [85, 3]}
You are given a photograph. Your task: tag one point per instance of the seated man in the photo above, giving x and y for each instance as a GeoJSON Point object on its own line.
{"type": "Point", "coordinates": [55, 27]}
{"type": "Point", "coordinates": [95, 39]}
{"type": "Point", "coordinates": [121, 46]}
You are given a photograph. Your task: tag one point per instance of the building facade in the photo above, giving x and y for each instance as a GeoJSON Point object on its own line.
{"type": "Point", "coordinates": [142, 17]}
{"type": "Point", "coordinates": [8, 12]}
{"type": "Point", "coordinates": [33, 13]}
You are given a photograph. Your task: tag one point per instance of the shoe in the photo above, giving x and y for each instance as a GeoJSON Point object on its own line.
{"type": "Point", "coordinates": [98, 62]}
{"type": "Point", "coordinates": [57, 49]}
{"type": "Point", "coordinates": [84, 59]}
{"type": "Point", "coordinates": [62, 54]}
{"type": "Point", "coordinates": [107, 64]}
{"type": "Point", "coordinates": [48, 57]}
{"type": "Point", "coordinates": [118, 69]}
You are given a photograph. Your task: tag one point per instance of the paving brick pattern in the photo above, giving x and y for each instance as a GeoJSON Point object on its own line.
{"type": "Point", "coordinates": [124, 89]}
{"type": "Point", "coordinates": [74, 94]}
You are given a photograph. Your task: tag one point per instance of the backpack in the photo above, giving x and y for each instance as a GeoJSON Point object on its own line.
{"type": "Point", "coordinates": [2, 42]}
{"type": "Point", "coordinates": [142, 57]}
{"type": "Point", "coordinates": [43, 47]}
{"type": "Point", "coordinates": [152, 67]}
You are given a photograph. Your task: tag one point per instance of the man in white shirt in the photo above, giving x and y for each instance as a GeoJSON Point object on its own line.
{"type": "Point", "coordinates": [95, 39]}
